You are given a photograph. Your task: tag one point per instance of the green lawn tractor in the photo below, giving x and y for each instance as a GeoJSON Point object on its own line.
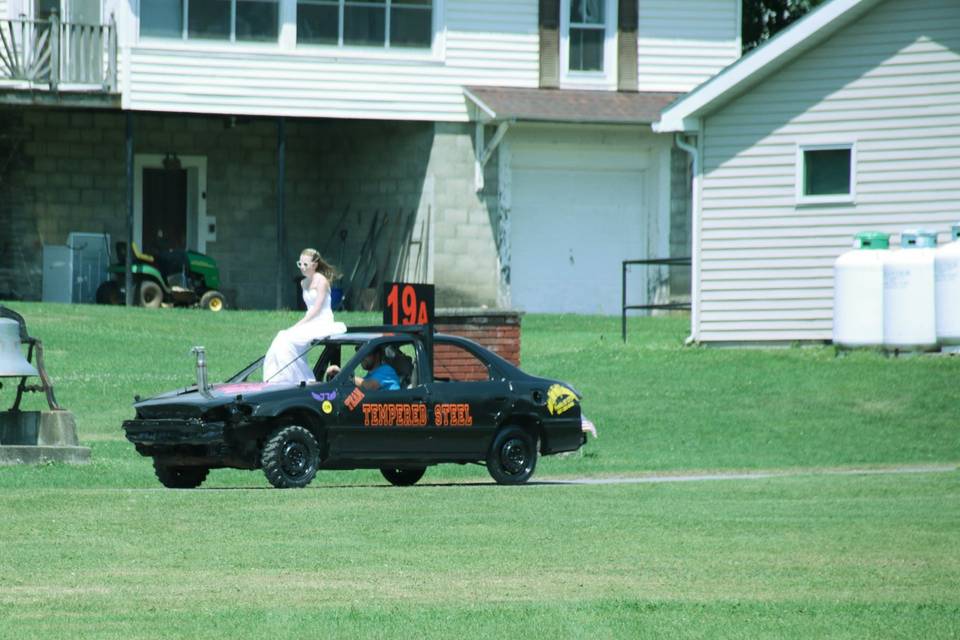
{"type": "Point", "coordinates": [172, 278]}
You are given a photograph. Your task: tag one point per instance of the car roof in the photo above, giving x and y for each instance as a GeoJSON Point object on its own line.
{"type": "Point", "coordinates": [367, 336]}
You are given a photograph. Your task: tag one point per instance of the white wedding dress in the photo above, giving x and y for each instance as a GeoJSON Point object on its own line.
{"type": "Point", "coordinates": [286, 360]}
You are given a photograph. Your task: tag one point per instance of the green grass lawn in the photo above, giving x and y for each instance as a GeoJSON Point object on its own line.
{"type": "Point", "coordinates": [103, 551]}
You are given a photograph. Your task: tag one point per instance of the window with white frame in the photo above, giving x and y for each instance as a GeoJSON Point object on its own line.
{"type": "Point", "coordinates": [586, 35]}
{"type": "Point", "coordinates": [232, 20]}
{"type": "Point", "coordinates": [588, 43]}
{"type": "Point", "coordinates": [826, 172]}
{"type": "Point", "coordinates": [366, 23]}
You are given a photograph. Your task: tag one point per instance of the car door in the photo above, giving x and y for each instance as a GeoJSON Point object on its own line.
{"type": "Point", "coordinates": [380, 425]}
{"type": "Point", "coordinates": [468, 397]}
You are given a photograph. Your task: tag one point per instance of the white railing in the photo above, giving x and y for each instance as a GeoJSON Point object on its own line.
{"type": "Point", "coordinates": [53, 52]}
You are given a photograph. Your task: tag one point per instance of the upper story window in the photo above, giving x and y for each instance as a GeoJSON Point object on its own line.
{"type": "Point", "coordinates": [232, 20]}
{"type": "Point", "coordinates": [366, 23]}
{"type": "Point", "coordinates": [825, 173]}
{"type": "Point", "coordinates": [587, 31]}
{"type": "Point", "coordinates": [588, 43]}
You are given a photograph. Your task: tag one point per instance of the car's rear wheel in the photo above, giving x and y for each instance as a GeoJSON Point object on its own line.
{"type": "Point", "coordinates": [178, 477]}
{"type": "Point", "coordinates": [513, 456]}
{"type": "Point", "coordinates": [290, 457]}
{"type": "Point", "coordinates": [403, 477]}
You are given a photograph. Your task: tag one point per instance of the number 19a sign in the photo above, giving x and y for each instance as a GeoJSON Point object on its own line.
{"type": "Point", "coordinates": [405, 303]}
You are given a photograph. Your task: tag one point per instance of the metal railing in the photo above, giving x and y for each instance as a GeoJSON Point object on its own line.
{"type": "Point", "coordinates": [668, 262]}
{"type": "Point", "coordinates": [54, 52]}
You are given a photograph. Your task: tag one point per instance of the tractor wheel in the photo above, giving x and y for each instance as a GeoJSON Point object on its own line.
{"type": "Point", "coordinates": [512, 457]}
{"type": "Point", "coordinates": [290, 457]}
{"type": "Point", "coordinates": [212, 300]}
{"type": "Point", "coordinates": [175, 477]}
{"type": "Point", "coordinates": [402, 477]}
{"type": "Point", "coordinates": [149, 294]}
{"type": "Point", "coordinates": [109, 292]}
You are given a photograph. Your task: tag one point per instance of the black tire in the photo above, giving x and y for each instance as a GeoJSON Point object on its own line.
{"type": "Point", "coordinates": [513, 456]}
{"type": "Point", "coordinates": [109, 292]}
{"type": "Point", "coordinates": [212, 301]}
{"type": "Point", "coordinates": [290, 457]}
{"type": "Point", "coordinates": [149, 294]}
{"type": "Point", "coordinates": [175, 477]}
{"type": "Point", "coordinates": [403, 477]}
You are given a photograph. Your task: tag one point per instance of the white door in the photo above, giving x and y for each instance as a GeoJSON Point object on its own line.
{"type": "Point", "coordinates": [577, 212]}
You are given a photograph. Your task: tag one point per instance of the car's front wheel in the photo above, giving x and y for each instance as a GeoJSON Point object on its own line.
{"type": "Point", "coordinates": [178, 477]}
{"type": "Point", "coordinates": [290, 457]}
{"type": "Point", "coordinates": [403, 477]}
{"type": "Point", "coordinates": [513, 456]}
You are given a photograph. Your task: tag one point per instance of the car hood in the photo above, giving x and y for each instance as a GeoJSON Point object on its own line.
{"type": "Point", "coordinates": [188, 402]}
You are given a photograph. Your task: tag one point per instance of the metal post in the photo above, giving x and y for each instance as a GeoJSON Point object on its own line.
{"type": "Point", "coordinates": [281, 230]}
{"type": "Point", "coordinates": [623, 301]}
{"type": "Point", "coordinates": [54, 50]}
{"type": "Point", "coordinates": [128, 281]}
{"type": "Point", "coordinates": [110, 82]}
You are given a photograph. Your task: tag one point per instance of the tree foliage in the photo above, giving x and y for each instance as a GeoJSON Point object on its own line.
{"type": "Point", "coordinates": [762, 19]}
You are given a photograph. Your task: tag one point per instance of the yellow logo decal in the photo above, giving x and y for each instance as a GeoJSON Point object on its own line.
{"type": "Point", "coordinates": [560, 399]}
{"type": "Point", "coordinates": [327, 406]}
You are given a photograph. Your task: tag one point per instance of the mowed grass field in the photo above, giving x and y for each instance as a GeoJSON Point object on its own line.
{"type": "Point", "coordinates": [102, 551]}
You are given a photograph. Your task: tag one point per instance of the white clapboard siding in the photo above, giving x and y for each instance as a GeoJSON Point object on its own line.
{"type": "Point", "coordinates": [890, 83]}
{"type": "Point", "coordinates": [681, 44]}
{"type": "Point", "coordinates": [4, 8]}
{"type": "Point", "coordinates": [485, 42]}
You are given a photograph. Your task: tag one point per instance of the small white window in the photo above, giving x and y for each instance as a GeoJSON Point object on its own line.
{"type": "Point", "coordinates": [588, 44]}
{"type": "Point", "coordinates": [826, 173]}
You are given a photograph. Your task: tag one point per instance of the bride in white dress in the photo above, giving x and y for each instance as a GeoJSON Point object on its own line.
{"type": "Point", "coordinates": [286, 360]}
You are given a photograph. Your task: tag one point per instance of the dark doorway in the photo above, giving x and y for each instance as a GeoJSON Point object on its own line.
{"type": "Point", "coordinates": [164, 210]}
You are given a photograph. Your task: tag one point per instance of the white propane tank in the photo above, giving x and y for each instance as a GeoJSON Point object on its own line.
{"type": "Point", "coordinates": [946, 268]}
{"type": "Point", "coordinates": [858, 292]}
{"type": "Point", "coordinates": [909, 317]}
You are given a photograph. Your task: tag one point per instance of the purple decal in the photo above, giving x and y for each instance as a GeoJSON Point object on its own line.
{"type": "Point", "coordinates": [320, 397]}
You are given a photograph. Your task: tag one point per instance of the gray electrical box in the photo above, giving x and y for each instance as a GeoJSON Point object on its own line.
{"type": "Point", "coordinates": [72, 272]}
{"type": "Point", "coordinates": [57, 273]}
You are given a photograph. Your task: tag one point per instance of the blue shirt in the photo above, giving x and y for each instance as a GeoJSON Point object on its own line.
{"type": "Point", "coordinates": [386, 376]}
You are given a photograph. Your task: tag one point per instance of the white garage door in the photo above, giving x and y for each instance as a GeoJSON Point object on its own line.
{"type": "Point", "coordinates": [577, 211]}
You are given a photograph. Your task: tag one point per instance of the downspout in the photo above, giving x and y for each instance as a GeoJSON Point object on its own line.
{"type": "Point", "coordinates": [694, 152]}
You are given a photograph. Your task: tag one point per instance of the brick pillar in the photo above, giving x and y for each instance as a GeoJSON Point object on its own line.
{"type": "Point", "coordinates": [495, 329]}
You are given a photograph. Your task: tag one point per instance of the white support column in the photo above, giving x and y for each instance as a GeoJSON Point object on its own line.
{"type": "Point", "coordinates": [483, 153]}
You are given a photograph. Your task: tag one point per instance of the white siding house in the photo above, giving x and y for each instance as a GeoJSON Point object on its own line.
{"type": "Point", "coordinates": [373, 128]}
{"type": "Point", "coordinates": [877, 81]}
{"type": "Point", "coordinates": [683, 44]}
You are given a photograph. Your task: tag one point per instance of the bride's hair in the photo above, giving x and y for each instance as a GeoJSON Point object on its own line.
{"type": "Point", "coordinates": [323, 267]}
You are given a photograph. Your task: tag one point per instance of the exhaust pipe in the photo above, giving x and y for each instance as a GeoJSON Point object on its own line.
{"type": "Point", "coordinates": [202, 386]}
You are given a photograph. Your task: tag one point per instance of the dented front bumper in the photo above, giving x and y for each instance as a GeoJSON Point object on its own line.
{"type": "Point", "coordinates": [165, 431]}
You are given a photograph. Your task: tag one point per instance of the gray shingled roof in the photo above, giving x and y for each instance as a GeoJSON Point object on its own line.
{"type": "Point", "coordinates": [568, 105]}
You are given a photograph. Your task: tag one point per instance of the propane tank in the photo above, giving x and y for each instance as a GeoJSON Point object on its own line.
{"type": "Point", "coordinates": [858, 291]}
{"type": "Point", "coordinates": [909, 320]}
{"type": "Point", "coordinates": [946, 268]}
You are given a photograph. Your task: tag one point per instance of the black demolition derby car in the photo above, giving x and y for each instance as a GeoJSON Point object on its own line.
{"type": "Point", "coordinates": [457, 402]}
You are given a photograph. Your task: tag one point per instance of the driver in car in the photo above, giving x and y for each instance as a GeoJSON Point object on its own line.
{"type": "Point", "coordinates": [380, 375]}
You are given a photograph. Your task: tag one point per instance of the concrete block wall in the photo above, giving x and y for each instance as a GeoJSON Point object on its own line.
{"type": "Point", "coordinates": [466, 269]}
{"type": "Point", "coordinates": [68, 173]}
